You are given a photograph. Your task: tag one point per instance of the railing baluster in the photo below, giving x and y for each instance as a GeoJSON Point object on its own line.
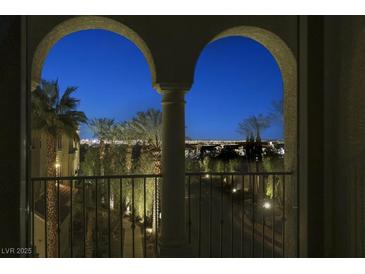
{"type": "Point", "coordinates": [263, 219]}
{"type": "Point", "coordinates": [189, 209]}
{"type": "Point", "coordinates": [96, 217]}
{"type": "Point", "coordinates": [242, 215]}
{"type": "Point", "coordinates": [58, 220]}
{"type": "Point", "coordinates": [273, 216]}
{"type": "Point", "coordinates": [71, 220]}
{"type": "Point", "coordinates": [283, 217]}
{"type": "Point", "coordinates": [158, 205]}
{"type": "Point", "coordinates": [252, 178]}
{"type": "Point", "coordinates": [210, 216]}
{"type": "Point", "coordinates": [156, 217]}
{"type": "Point", "coordinates": [45, 221]}
{"type": "Point", "coordinates": [121, 217]}
{"type": "Point", "coordinates": [133, 220]}
{"type": "Point", "coordinates": [200, 216]}
{"type": "Point", "coordinates": [232, 210]}
{"type": "Point", "coordinates": [109, 222]}
{"type": "Point", "coordinates": [32, 221]}
{"type": "Point", "coordinates": [84, 214]}
{"type": "Point", "coordinates": [144, 219]}
{"type": "Point", "coordinates": [221, 221]}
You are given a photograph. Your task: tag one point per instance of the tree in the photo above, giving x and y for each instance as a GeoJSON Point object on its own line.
{"type": "Point", "coordinates": [102, 128]}
{"type": "Point", "coordinates": [245, 129]}
{"type": "Point", "coordinates": [122, 132]}
{"type": "Point", "coordinates": [277, 110]}
{"type": "Point", "coordinates": [254, 125]}
{"type": "Point", "coordinates": [54, 114]}
{"type": "Point", "coordinates": [147, 127]}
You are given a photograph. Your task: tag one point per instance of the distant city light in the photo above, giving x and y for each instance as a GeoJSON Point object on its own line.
{"type": "Point", "coordinates": [266, 205]}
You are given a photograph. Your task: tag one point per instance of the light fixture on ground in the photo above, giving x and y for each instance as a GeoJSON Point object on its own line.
{"type": "Point", "coordinates": [266, 205]}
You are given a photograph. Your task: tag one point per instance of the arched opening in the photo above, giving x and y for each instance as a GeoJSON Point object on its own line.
{"type": "Point", "coordinates": [288, 68]}
{"type": "Point", "coordinates": [271, 194]}
{"type": "Point", "coordinates": [86, 23]}
{"type": "Point", "coordinates": [86, 211]}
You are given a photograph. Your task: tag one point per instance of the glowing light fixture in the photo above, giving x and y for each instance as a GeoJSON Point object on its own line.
{"type": "Point", "coordinates": [57, 165]}
{"type": "Point", "coordinates": [266, 205]}
{"type": "Point", "coordinates": [206, 176]}
{"type": "Point", "coordinates": [234, 190]}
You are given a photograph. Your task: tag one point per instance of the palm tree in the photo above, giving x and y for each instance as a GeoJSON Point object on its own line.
{"type": "Point", "coordinates": [102, 128]}
{"type": "Point", "coordinates": [147, 127]}
{"type": "Point", "coordinates": [54, 114]}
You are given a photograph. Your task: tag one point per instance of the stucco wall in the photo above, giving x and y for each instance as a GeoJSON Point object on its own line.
{"type": "Point", "coordinates": [344, 147]}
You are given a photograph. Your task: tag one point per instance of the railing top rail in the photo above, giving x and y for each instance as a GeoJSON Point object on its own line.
{"type": "Point", "coordinates": [124, 176]}
{"type": "Point", "coordinates": [136, 176]}
{"type": "Point", "coordinates": [239, 173]}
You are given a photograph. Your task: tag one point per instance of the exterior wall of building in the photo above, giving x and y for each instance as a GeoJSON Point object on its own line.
{"type": "Point", "coordinates": [67, 158]}
{"type": "Point", "coordinates": [67, 155]}
{"type": "Point", "coordinates": [344, 131]}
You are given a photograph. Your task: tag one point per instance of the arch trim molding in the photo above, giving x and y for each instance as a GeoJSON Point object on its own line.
{"type": "Point", "coordinates": [80, 23]}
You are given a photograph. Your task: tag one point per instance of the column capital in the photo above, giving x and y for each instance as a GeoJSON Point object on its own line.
{"type": "Point", "coordinates": [164, 88]}
{"type": "Point", "coordinates": [172, 93]}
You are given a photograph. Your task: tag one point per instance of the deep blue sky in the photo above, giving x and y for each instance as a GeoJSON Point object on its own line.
{"type": "Point", "coordinates": [235, 77]}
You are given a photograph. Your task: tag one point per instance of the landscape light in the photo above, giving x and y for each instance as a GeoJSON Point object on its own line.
{"type": "Point", "coordinates": [266, 205]}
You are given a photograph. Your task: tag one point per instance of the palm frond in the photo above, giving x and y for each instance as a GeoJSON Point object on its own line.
{"type": "Point", "coordinates": [54, 114]}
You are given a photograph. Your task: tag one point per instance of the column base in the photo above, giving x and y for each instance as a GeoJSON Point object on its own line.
{"type": "Point", "coordinates": [181, 251]}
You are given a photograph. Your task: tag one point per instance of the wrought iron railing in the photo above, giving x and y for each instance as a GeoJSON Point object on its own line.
{"type": "Point", "coordinates": [96, 216]}
{"type": "Point", "coordinates": [238, 214]}
{"type": "Point", "coordinates": [227, 215]}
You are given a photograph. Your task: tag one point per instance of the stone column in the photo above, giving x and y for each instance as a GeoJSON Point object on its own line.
{"type": "Point", "coordinates": [173, 235]}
